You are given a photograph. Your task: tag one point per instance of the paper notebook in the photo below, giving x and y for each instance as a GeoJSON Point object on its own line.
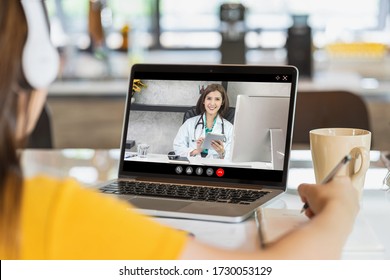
{"type": "Point", "coordinates": [274, 223]}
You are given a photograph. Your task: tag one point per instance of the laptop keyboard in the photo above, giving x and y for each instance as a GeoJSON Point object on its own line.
{"type": "Point", "coordinates": [186, 192]}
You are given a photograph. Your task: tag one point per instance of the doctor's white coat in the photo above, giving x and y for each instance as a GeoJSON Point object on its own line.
{"type": "Point", "coordinates": [185, 140]}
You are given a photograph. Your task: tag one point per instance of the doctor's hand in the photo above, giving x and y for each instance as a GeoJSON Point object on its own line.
{"type": "Point", "coordinates": [218, 147]}
{"type": "Point", "coordinates": [198, 149]}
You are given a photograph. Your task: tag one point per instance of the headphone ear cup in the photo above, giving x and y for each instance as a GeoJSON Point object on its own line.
{"type": "Point", "coordinates": [40, 60]}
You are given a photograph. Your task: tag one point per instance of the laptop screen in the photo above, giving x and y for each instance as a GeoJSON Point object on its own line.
{"type": "Point", "coordinates": [212, 123]}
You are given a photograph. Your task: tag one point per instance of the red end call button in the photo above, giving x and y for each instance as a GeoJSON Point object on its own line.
{"type": "Point", "coordinates": [220, 172]}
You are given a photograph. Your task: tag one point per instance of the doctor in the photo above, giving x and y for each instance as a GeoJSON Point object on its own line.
{"type": "Point", "coordinates": [211, 106]}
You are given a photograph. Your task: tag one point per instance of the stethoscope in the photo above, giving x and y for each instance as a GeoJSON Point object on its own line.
{"type": "Point", "coordinates": [201, 122]}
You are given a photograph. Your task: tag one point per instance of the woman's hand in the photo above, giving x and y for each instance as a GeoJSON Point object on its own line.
{"type": "Point", "coordinates": [337, 193]}
{"type": "Point", "coordinates": [199, 144]}
{"type": "Point", "coordinates": [198, 149]}
{"type": "Point", "coordinates": [218, 147]}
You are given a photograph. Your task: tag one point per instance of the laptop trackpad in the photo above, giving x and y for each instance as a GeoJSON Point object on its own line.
{"type": "Point", "coordinates": [157, 204]}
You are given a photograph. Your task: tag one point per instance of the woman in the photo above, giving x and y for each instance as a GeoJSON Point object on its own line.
{"type": "Point", "coordinates": [45, 218]}
{"type": "Point", "coordinates": [212, 105]}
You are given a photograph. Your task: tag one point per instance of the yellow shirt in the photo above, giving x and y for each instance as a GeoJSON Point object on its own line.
{"type": "Point", "coordinates": [61, 220]}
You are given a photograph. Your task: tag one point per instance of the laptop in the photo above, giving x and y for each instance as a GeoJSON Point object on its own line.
{"type": "Point", "coordinates": [160, 182]}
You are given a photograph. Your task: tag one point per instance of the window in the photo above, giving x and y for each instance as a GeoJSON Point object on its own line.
{"type": "Point", "coordinates": [172, 24]}
{"type": "Point", "coordinates": [197, 24]}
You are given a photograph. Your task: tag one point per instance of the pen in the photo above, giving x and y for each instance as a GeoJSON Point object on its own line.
{"type": "Point", "coordinates": [331, 175]}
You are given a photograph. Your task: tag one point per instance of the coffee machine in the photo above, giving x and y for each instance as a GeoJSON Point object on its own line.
{"type": "Point", "coordinates": [233, 31]}
{"type": "Point", "coordinates": [299, 46]}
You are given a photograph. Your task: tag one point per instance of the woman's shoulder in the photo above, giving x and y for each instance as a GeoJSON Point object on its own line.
{"type": "Point", "coordinates": [227, 123]}
{"type": "Point", "coordinates": [72, 212]}
{"type": "Point", "coordinates": [45, 188]}
{"type": "Point", "coordinates": [42, 197]}
{"type": "Point", "coordinates": [194, 118]}
{"type": "Point", "coordinates": [40, 182]}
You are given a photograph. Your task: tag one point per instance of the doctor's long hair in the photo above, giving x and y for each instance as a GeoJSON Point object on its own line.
{"type": "Point", "coordinates": [13, 33]}
{"type": "Point", "coordinates": [204, 92]}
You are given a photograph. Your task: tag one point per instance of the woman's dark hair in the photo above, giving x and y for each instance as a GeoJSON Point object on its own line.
{"type": "Point", "coordinates": [13, 33]}
{"type": "Point", "coordinates": [210, 88]}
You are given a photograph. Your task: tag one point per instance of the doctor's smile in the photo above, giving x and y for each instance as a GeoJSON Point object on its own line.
{"type": "Point", "coordinates": [213, 102]}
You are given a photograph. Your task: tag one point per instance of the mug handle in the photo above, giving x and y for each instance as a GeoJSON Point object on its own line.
{"type": "Point", "coordinates": [365, 162]}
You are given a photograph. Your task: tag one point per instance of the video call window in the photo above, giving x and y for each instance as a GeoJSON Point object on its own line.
{"type": "Point", "coordinates": [254, 133]}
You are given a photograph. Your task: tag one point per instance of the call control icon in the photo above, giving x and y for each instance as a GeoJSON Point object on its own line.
{"type": "Point", "coordinates": [189, 170]}
{"type": "Point", "coordinates": [209, 171]}
{"type": "Point", "coordinates": [220, 172]}
{"type": "Point", "coordinates": [179, 169]}
{"type": "Point", "coordinates": [199, 171]}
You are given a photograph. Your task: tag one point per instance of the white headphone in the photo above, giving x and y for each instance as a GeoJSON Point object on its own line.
{"type": "Point", "coordinates": [40, 59]}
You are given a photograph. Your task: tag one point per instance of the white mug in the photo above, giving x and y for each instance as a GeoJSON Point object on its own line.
{"type": "Point", "coordinates": [329, 145]}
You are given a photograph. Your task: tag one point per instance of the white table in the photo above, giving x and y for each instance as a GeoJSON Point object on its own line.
{"type": "Point", "coordinates": [369, 240]}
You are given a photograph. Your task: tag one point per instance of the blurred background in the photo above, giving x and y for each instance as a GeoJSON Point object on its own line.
{"type": "Point", "coordinates": [336, 45]}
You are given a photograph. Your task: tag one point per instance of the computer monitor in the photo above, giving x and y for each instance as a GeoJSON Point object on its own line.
{"type": "Point", "coordinates": [260, 126]}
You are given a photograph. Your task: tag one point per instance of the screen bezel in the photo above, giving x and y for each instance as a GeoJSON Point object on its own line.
{"type": "Point", "coordinates": [230, 73]}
